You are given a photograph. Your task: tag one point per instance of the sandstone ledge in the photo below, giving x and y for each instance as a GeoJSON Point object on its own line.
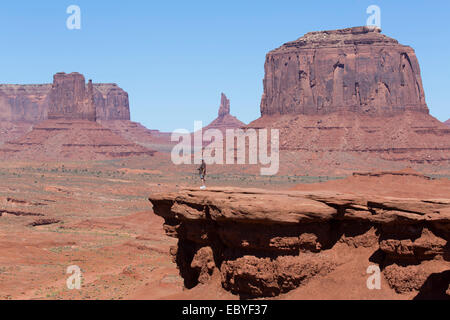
{"type": "Point", "coordinates": [264, 243]}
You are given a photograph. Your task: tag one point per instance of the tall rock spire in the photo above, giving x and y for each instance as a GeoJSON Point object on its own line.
{"type": "Point", "coordinates": [224, 106]}
{"type": "Point", "coordinates": [225, 120]}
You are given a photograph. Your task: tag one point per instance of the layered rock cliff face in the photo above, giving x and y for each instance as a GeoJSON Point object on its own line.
{"type": "Point", "coordinates": [447, 122]}
{"type": "Point", "coordinates": [355, 69]}
{"type": "Point", "coordinates": [224, 108]}
{"type": "Point", "coordinates": [345, 97]}
{"type": "Point", "coordinates": [24, 102]}
{"type": "Point", "coordinates": [70, 98]}
{"type": "Point", "coordinates": [31, 103]}
{"type": "Point", "coordinates": [111, 102]}
{"type": "Point", "coordinates": [71, 131]}
{"type": "Point", "coordinates": [11, 130]}
{"type": "Point", "coordinates": [263, 243]}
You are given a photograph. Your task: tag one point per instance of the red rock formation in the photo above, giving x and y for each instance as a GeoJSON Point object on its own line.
{"type": "Point", "coordinates": [71, 132]}
{"type": "Point", "coordinates": [224, 108]}
{"type": "Point", "coordinates": [447, 122]}
{"type": "Point", "coordinates": [225, 120]}
{"type": "Point", "coordinates": [69, 98]}
{"type": "Point", "coordinates": [111, 102]}
{"type": "Point", "coordinates": [355, 69]}
{"type": "Point", "coordinates": [32, 102]}
{"type": "Point", "coordinates": [264, 243]}
{"type": "Point", "coordinates": [345, 97]}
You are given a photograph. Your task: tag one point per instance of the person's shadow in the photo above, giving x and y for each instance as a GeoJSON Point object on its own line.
{"type": "Point", "coordinates": [435, 287]}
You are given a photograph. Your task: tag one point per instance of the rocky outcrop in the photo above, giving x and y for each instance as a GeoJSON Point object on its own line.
{"type": "Point", "coordinates": [265, 243]}
{"type": "Point", "coordinates": [31, 103]}
{"type": "Point", "coordinates": [344, 98]}
{"type": "Point", "coordinates": [355, 69]}
{"type": "Point", "coordinates": [71, 131]}
{"type": "Point", "coordinates": [111, 102]}
{"type": "Point", "coordinates": [225, 120]}
{"type": "Point", "coordinates": [224, 108]}
{"type": "Point", "coordinates": [70, 98]}
{"type": "Point", "coordinates": [24, 102]}
{"type": "Point", "coordinates": [447, 122]}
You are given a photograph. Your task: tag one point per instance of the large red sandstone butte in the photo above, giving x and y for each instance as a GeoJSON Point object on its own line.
{"type": "Point", "coordinates": [352, 91]}
{"type": "Point", "coordinates": [31, 102]}
{"type": "Point", "coordinates": [355, 69]}
{"type": "Point", "coordinates": [21, 106]}
{"type": "Point", "coordinates": [71, 133]}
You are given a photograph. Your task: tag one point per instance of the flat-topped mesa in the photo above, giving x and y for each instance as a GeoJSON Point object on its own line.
{"type": "Point", "coordinates": [224, 108]}
{"type": "Point", "coordinates": [70, 98]}
{"type": "Point", "coordinates": [354, 69]}
{"type": "Point", "coordinates": [24, 102]}
{"type": "Point", "coordinates": [341, 37]}
{"type": "Point", "coordinates": [31, 102]}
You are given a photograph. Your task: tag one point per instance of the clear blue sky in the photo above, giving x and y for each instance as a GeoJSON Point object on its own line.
{"type": "Point", "coordinates": [174, 58]}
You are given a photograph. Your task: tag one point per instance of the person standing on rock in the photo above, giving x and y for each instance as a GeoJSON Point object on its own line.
{"type": "Point", "coordinates": [202, 173]}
